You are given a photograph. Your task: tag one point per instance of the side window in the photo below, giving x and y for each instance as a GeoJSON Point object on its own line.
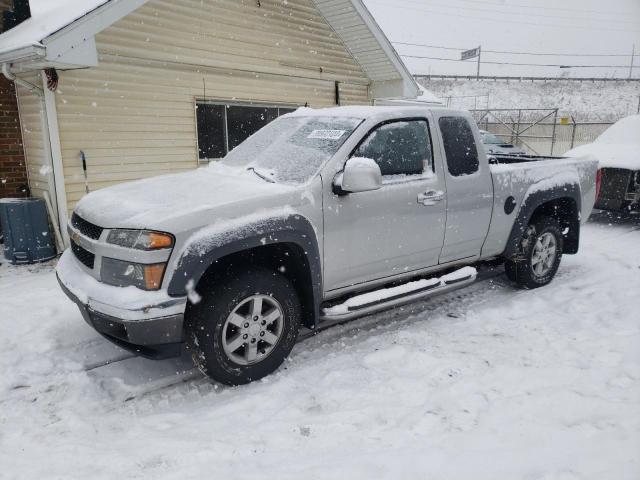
{"type": "Point", "coordinates": [459, 146]}
{"type": "Point", "coordinates": [399, 148]}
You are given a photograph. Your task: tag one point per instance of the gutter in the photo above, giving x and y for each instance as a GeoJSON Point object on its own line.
{"type": "Point", "coordinates": [23, 54]}
{"type": "Point", "coordinates": [6, 71]}
{"type": "Point", "coordinates": [47, 125]}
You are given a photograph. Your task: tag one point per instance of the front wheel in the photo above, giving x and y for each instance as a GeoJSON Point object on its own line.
{"type": "Point", "coordinates": [539, 257]}
{"type": "Point", "coordinates": [244, 327]}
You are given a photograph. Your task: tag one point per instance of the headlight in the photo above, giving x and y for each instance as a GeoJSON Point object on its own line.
{"type": "Point", "coordinates": [140, 239]}
{"type": "Point", "coordinates": [125, 274]}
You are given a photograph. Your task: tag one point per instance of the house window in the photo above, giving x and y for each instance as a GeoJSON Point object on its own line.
{"type": "Point", "coordinates": [221, 128]}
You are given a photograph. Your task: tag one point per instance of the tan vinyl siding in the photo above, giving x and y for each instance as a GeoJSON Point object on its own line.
{"type": "Point", "coordinates": [134, 116]}
{"type": "Point", "coordinates": [38, 165]}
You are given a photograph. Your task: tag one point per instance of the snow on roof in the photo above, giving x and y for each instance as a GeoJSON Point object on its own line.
{"type": "Point", "coordinates": [359, 111]}
{"type": "Point", "coordinates": [425, 95]}
{"type": "Point", "coordinates": [47, 17]}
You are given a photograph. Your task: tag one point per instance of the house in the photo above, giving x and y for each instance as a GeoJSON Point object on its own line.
{"type": "Point", "coordinates": [13, 174]}
{"type": "Point", "coordinates": [136, 88]}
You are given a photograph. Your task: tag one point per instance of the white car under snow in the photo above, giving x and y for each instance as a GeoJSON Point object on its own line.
{"type": "Point", "coordinates": [618, 153]}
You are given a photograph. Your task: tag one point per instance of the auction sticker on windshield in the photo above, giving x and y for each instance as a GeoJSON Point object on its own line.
{"type": "Point", "coordinates": [326, 134]}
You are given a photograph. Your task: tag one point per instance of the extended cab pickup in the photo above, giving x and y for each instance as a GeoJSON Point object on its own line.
{"type": "Point", "coordinates": [321, 216]}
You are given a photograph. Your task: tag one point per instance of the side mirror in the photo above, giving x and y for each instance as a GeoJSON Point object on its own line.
{"type": "Point", "coordinates": [359, 175]}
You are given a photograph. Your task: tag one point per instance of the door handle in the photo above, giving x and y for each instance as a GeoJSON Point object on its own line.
{"type": "Point", "coordinates": [430, 197]}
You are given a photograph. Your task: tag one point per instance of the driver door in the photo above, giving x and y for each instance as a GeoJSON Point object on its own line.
{"type": "Point", "coordinates": [396, 229]}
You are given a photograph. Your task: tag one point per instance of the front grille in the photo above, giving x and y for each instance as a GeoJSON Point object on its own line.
{"type": "Point", "coordinates": [87, 229]}
{"type": "Point", "coordinates": [84, 256]}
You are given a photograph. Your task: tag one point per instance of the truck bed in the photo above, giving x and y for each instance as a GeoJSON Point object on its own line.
{"type": "Point", "coordinates": [505, 158]}
{"type": "Point", "coordinates": [517, 176]}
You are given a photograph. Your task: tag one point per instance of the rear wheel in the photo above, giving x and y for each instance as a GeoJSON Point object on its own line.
{"type": "Point", "coordinates": [244, 327]}
{"type": "Point", "coordinates": [539, 257]}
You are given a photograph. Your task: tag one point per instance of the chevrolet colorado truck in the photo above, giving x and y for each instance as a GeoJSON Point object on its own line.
{"type": "Point", "coordinates": [321, 216]}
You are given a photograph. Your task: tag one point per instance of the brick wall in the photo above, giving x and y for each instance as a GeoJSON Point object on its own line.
{"type": "Point", "coordinates": [13, 172]}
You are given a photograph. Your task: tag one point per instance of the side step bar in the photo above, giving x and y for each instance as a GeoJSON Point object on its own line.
{"type": "Point", "coordinates": [446, 284]}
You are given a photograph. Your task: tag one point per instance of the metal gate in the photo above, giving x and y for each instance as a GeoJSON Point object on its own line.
{"type": "Point", "coordinates": [540, 131]}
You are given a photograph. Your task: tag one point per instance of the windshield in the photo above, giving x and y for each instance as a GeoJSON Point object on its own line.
{"type": "Point", "coordinates": [291, 149]}
{"type": "Point", "coordinates": [490, 139]}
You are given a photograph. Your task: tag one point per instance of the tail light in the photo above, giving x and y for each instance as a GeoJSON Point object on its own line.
{"type": "Point", "coordinates": [598, 183]}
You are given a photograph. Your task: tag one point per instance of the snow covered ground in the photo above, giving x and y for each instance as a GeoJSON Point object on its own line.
{"type": "Point", "coordinates": [485, 383]}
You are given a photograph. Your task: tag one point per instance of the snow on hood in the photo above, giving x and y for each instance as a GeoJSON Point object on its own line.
{"type": "Point", "coordinates": [47, 17]}
{"type": "Point", "coordinates": [617, 147]}
{"type": "Point", "coordinates": [610, 155]}
{"type": "Point", "coordinates": [150, 202]}
{"type": "Point", "coordinates": [625, 131]}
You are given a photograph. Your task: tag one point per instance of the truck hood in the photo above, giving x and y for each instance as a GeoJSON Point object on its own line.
{"type": "Point", "coordinates": [154, 202]}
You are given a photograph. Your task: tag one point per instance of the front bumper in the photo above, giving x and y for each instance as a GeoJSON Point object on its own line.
{"type": "Point", "coordinates": [146, 323]}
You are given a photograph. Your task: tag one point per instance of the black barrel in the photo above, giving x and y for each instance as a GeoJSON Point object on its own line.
{"type": "Point", "coordinates": [27, 235]}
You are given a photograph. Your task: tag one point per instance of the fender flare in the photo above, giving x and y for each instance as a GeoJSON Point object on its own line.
{"type": "Point", "coordinates": [535, 199]}
{"type": "Point", "coordinates": [197, 257]}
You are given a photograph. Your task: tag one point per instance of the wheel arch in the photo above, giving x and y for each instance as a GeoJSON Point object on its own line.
{"type": "Point", "coordinates": [562, 203]}
{"type": "Point", "coordinates": [288, 246]}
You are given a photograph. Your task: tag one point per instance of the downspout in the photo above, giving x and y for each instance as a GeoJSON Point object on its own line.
{"type": "Point", "coordinates": [46, 139]}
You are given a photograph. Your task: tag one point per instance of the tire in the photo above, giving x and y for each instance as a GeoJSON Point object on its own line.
{"type": "Point", "coordinates": [541, 240]}
{"type": "Point", "coordinates": [244, 327]}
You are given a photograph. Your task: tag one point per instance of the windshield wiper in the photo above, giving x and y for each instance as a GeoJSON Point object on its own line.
{"type": "Point", "coordinates": [262, 176]}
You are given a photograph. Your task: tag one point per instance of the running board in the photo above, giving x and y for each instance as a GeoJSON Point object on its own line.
{"type": "Point", "coordinates": [385, 299]}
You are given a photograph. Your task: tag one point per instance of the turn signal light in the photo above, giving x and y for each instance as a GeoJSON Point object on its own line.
{"type": "Point", "coordinates": [153, 275]}
{"type": "Point", "coordinates": [159, 240]}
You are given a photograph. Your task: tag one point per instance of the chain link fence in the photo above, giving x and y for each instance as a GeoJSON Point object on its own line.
{"type": "Point", "coordinates": [538, 131]}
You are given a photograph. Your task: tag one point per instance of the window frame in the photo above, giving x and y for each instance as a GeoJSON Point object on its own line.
{"type": "Point", "coordinates": [408, 178]}
{"type": "Point", "coordinates": [222, 103]}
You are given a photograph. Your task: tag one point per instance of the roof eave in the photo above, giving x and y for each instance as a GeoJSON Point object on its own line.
{"type": "Point", "coordinates": [73, 46]}
{"type": "Point", "coordinates": [23, 54]}
{"type": "Point", "coordinates": [410, 87]}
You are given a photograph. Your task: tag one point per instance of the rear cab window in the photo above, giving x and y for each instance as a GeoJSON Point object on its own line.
{"type": "Point", "coordinates": [400, 148]}
{"type": "Point", "coordinates": [459, 146]}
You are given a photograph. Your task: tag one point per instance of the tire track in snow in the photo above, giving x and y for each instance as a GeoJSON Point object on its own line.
{"type": "Point", "coordinates": [193, 386]}
{"type": "Point", "coordinates": [98, 353]}
{"type": "Point", "coordinates": [175, 379]}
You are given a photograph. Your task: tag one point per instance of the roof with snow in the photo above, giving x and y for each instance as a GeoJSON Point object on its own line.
{"type": "Point", "coordinates": [47, 17]}
{"type": "Point", "coordinates": [61, 33]}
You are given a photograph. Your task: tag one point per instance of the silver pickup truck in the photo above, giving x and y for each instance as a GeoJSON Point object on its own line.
{"type": "Point", "coordinates": [321, 216]}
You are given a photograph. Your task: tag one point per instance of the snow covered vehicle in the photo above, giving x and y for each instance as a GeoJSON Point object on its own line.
{"type": "Point", "coordinates": [618, 153]}
{"type": "Point", "coordinates": [493, 144]}
{"type": "Point", "coordinates": [321, 216]}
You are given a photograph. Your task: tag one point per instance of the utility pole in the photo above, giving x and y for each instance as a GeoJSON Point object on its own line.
{"type": "Point", "coordinates": [480, 51]}
{"type": "Point", "coordinates": [633, 54]}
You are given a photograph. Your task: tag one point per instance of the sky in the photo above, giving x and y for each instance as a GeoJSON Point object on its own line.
{"type": "Point", "coordinates": [567, 27]}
